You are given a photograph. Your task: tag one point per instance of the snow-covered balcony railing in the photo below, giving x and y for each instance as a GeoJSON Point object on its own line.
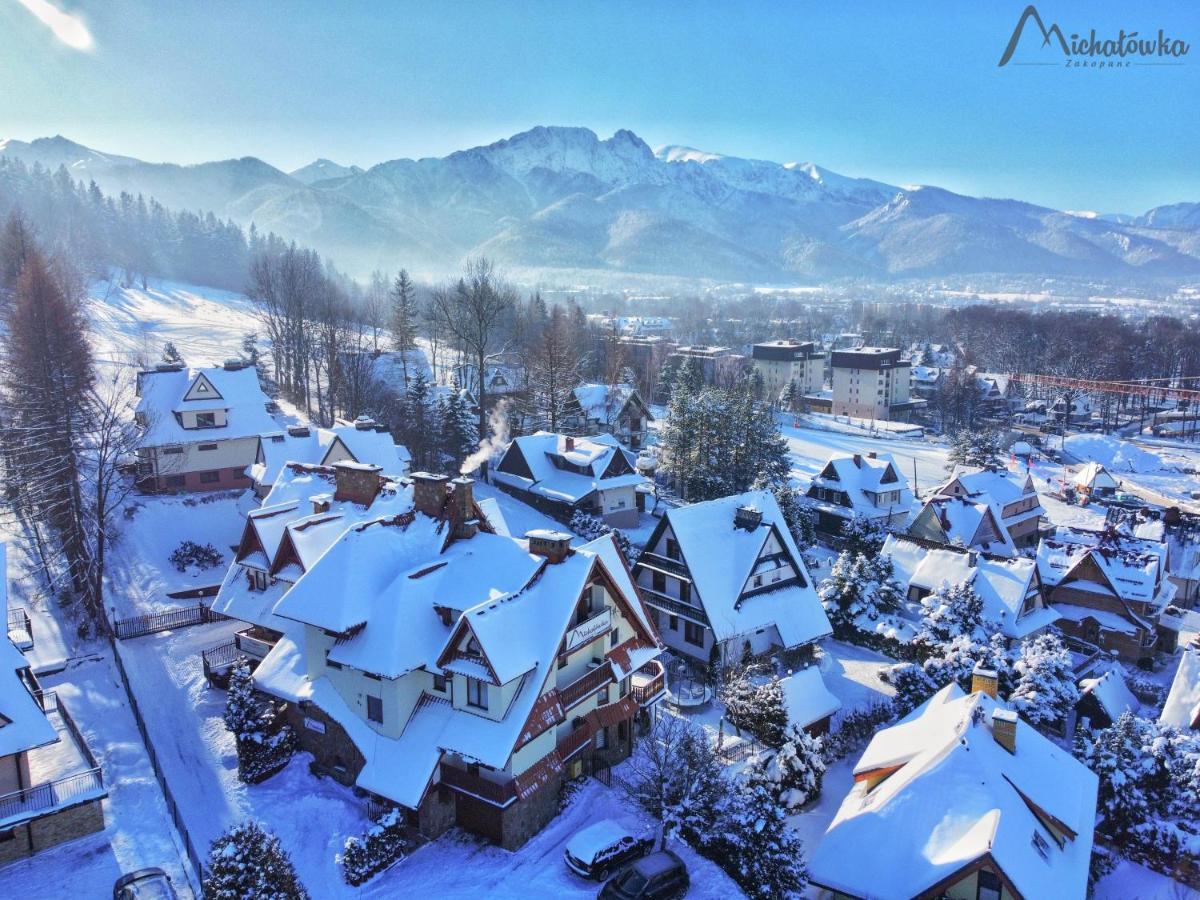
{"type": "Point", "coordinates": [586, 685]}
{"type": "Point", "coordinates": [648, 683]}
{"type": "Point", "coordinates": [47, 700]}
{"type": "Point", "coordinates": [498, 793]}
{"type": "Point", "coordinates": [50, 796]}
{"type": "Point", "coordinates": [663, 564]}
{"type": "Point", "coordinates": [20, 628]}
{"type": "Point", "coordinates": [671, 605]}
{"type": "Point", "coordinates": [574, 742]}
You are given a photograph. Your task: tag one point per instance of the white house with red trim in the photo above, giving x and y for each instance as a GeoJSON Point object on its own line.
{"type": "Point", "coordinates": [459, 674]}
{"type": "Point", "coordinates": [201, 426]}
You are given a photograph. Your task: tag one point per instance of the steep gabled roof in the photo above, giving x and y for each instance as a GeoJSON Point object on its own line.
{"type": "Point", "coordinates": [963, 521]}
{"type": "Point", "coordinates": [1131, 568]}
{"type": "Point", "coordinates": [956, 796]}
{"type": "Point", "coordinates": [1182, 708]}
{"type": "Point", "coordinates": [162, 398]}
{"type": "Point", "coordinates": [858, 473]}
{"type": "Point", "coordinates": [557, 471]}
{"type": "Point", "coordinates": [1111, 692]}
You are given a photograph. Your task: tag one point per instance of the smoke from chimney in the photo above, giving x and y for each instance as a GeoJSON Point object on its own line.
{"type": "Point", "coordinates": [496, 440]}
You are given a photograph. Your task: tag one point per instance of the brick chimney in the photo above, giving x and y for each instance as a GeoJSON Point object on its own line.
{"type": "Point", "coordinates": [986, 680]}
{"type": "Point", "coordinates": [858, 460]}
{"type": "Point", "coordinates": [1004, 728]}
{"type": "Point", "coordinates": [462, 500]}
{"type": "Point", "coordinates": [429, 492]}
{"type": "Point", "coordinates": [357, 482]}
{"type": "Point", "coordinates": [747, 517]}
{"type": "Point", "coordinates": [555, 546]}
{"type": "Point", "coordinates": [871, 454]}
{"type": "Point", "coordinates": [568, 444]}
{"type": "Point", "coordinates": [320, 503]}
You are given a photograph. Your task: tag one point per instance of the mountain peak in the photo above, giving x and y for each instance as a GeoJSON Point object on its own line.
{"type": "Point", "coordinates": [323, 169]}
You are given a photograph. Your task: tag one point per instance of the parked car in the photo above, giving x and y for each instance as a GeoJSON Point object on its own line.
{"type": "Point", "coordinates": [659, 876]}
{"type": "Point", "coordinates": [603, 848]}
{"type": "Point", "coordinates": [145, 884]}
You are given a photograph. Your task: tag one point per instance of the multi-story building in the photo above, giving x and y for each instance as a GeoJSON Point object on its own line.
{"type": "Point", "coordinates": [363, 442]}
{"type": "Point", "coordinates": [645, 355]}
{"type": "Point", "coordinates": [724, 578]}
{"type": "Point", "coordinates": [850, 485]}
{"type": "Point", "coordinates": [961, 799]}
{"type": "Point", "coordinates": [201, 426]}
{"type": "Point", "coordinates": [1110, 590]}
{"type": "Point", "coordinates": [1012, 492]}
{"type": "Point", "coordinates": [970, 522]}
{"type": "Point", "coordinates": [616, 409]}
{"type": "Point", "coordinates": [719, 366]}
{"type": "Point", "coordinates": [871, 383]}
{"type": "Point", "coordinates": [781, 363]}
{"type": "Point", "coordinates": [459, 674]}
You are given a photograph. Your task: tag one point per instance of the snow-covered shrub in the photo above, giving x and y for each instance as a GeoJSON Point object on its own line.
{"type": "Point", "coordinates": [248, 863]}
{"type": "Point", "coordinates": [201, 556]}
{"type": "Point", "coordinates": [855, 728]}
{"type": "Point", "coordinates": [957, 659]}
{"type": "Point", "coordinates": [976, 448]}
{"type": "Point", "coordinates": [755, 846]}
{"type": "Point", "coordinates": [859, 590]}
{"type": "Point", "coordinates": [756, 707]}
{"type": "Point", "coordinates": [383, 844]}
{"type": "Point", "coordinates": [793, 773]}
{"type": "Point", "coordinates": [265, 743]}
{"type": "Point", "coordinates": [1045, 691]}
{"type": "Point", "coordinates": [950, 611]}
{"type": "Point", "coordinates": [590, 527]}
{"type": "Point", "coordinates": [864, 535]}
{"type": "Point", "coordinates": [913, 685]}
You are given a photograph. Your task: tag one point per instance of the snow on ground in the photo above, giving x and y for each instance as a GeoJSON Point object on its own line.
{"type": "Point", "coordinates": [141, 574]}
{"type": "Point", "coordinates": [1130, 881]}
{"type": "Point", "coordinates": [1170, 472]}
{"type": "Point", "coordinates": [205, 324]}
{"type": "Point", "coordinates": [810, 449]}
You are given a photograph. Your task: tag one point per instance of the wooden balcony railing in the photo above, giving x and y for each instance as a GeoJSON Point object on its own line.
{"type": "Point", "coordinates": [251, 642]}
{"type": "Point", "coordinates": [583, 687]}
{"type": "Point", "coordinates": [648, 682]}
{"type": "Point", "coordinates": [574, 742]}
{"type": "Point", "coordinates": [499, 793]}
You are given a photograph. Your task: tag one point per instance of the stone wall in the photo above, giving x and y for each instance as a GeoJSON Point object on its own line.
{"type": "Point", "coordinates": [330, 750]}
{"type": "Point", "coordinates": [52, 830]}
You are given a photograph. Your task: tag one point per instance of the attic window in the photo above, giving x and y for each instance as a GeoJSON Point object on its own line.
{"type": "Point", "coordinates": [1041, 846]}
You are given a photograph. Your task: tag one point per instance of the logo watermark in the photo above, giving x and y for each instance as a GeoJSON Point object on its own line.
{"type": "Point", "coordinates": [1119, 51]}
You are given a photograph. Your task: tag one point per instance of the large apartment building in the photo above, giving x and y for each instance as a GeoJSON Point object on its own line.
{"type": "Point", "coordinates": [781, 363]}
{"type": "Point", "coordinates": [870, 383]}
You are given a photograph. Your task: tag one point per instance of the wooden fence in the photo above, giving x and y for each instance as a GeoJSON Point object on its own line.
{"type": "Point", "coordinates": [171, 619]}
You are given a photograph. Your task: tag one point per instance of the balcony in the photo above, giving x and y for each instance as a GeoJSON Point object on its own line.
{"type": "Point", "coordinates": [256, 642]}
{"type": "Point", "coordinates": [663, 564]}
{"type": "Point", "coordinates": [648, 683]}
{"type": "Point", "coordinates": [49, 796]}
{"type": "Point", "coordinates": [20, 629]}
{"type": "Point", "coordinates": [671, 605]}
{"type": "Point", "coordinates": [498, 793]}
{"type": "Point", "coordinates": [586, 685]}
{"type": "Point", "coordinates": [574, 742]}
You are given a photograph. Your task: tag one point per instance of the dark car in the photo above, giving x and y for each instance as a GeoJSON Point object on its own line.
{"type": "Point", "coordinates": [603, 848]}
{"type": "Point", "coordinates": [659, 876]}
{"type": "Point", "coordinates": [144, 884]}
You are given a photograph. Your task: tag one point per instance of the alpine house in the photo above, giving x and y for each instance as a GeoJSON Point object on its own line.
{"type": "Point", "coordinates": [460, 674]}
{"type": "Point", "coordinates": [1012, 492]}
{"type": "Point", "coordinates": [870, 486]}
{"type": "Point", "coordinates": [724, 576]}
{"type": "Point", "coordinates": [961, 799]}
{"type": "Point", "coordinates": [363, 442]}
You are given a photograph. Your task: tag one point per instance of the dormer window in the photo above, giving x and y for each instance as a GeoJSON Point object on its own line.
{"type": "Point", "coordinates": [206, 420]}
{"type": "Point", "coordinates": [477, 693]}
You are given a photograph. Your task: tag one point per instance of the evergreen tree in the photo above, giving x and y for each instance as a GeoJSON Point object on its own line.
{"type": "Point", "coordinates": [405, 317]}
{"type": "Point", "coordinates": [913, 685]}
{"type": "Point", "coordinates": [756, 705]}
{"type": "Point", "coordinates": [859, 591]}
{"type": "Point", "coordinates": [1116, 755]}
{"type": "Point", "coordinates": [950, 611]}
{"type": "Point", "coordinates": [956, 659]}
{"type": "Point", "coordinates": [248, 863]}
{"type": "Point", "coordinates": [170, 354]}
{"type": "Point", "coordinates": [979, 449]}
{"type": "Point", "coordinates": [1045, 691]}
{"type": "Point", "coordinates": [422, 428]}
{"type": "Point", "coordinates": [790, 399]}
{"type": "Point", "coordinates": [754, 844]}
{"type": "Point", "coordinates": [799, 518]}
{"type": "Point", "coordinates": [264, 742]}
{"type": "Point", "coordinates": [861, 534]}
{"type": "Point", "coordinates": [793, 773]}
{"type": "Point", "coordinates": [460, 432]}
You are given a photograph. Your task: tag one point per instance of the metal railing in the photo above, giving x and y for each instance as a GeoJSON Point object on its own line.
{"type": "Point", "coordinates": [18, 620]}
{"type": "Point", "coordinates": [47, 700]}
{"type": "Point", "coordinates": [136, 626]}
{"type": "Point", "coordinates": [219, 658]}
{"type": "Point", "coordinates": [51, 795]}
{"type": "Point", "coordinates": [251, 645]}
{"type": "Point", "coordinates": [671, 605]}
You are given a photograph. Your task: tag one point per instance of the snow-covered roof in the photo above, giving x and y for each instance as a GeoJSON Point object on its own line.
{"type": "Point", "coordinates": [553, 460]}
{"type": "Point", "coordinates": [1133, 567]}
{"type": "Point", "coordinates": [604, 401]}
{"type": "Point", "coordinates": [1002, 584]}
{"type": "Point", "coordinates": [1094, 476]}
{"type": "Point", "coordinates": [926, 375]}
{"type": "Point", "coordinates": [163, 397]}
{"type": "Point", "coordinates": [23, 724]}
{"type": "Point", "coordinates": [721, 557]}
{"type": "Point", "coordinates": [960, 519]}
{"type": "Point", "coordinates": [320, 445]}
{"type": "Point", "coordinates": [806, 697]}
{"type": "Point", "coordinates": [954, 796]}
{"type": "Point", "coordinates": [1000, 485]}
{"type": "Point", "coordinates": [859, 473]}
{"type": "Point", "coordinates": [1182, 708]}
{"type": "Point", "coordinates": [1110, 692]}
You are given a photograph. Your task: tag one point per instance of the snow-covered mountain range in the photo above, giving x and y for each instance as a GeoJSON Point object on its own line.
{"type": "Point", "coordinates": [555, 198]}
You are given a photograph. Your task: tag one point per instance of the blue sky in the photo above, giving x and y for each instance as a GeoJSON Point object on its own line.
{"type": "Point", "coordinates": [895, 91]}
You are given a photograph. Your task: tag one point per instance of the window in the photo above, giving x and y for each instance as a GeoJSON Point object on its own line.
{"type": "Point", "coordinates": [622, 731]}
{"type": "Point", "coordinates": [210, 477]}
{"type": "Point", "coordinates": [562, 661]}
{"type": "Point", "coordinates": [660, 582]}
{"type": "Point", "coordinates": [685, 592]}
{"type": "Point", "coordinates": [624, 689]}
{"type": "Point", "coordinates": [314, 725]}
{"type": "Point", "coordinates": [260, 580]}
{"type": "Point", "coordinates": [477, 693]}
{"type": "Point", "coordinates": [672, 549]}
{"type": "Point", "coordinates": [439, 683]}
{"type": "Point", "coordinates": [602, 738]}
{"type": "Point", "coordinates": [206, 446]}
{"type": "Point", "coordinates": [174, 481]}
{"type": "Point", "coordinates": [172, 451]}
{"type": "Point", "coordinates": [375, 709]}
{"type": "Point", "coordinates": [693, 633]}
{"type": "Point", "coordinates": [615, 637]}
{"type": "Point", "coordinates": [206, 420]}
{"type": "Point", "coordinates": [990, 885]}
{"type": "Point", "coordinates": [758, 581]}
{"type": "Point", "coordinates": [674, 623]}
{"type": "Point", "coordinates": [602, 697]}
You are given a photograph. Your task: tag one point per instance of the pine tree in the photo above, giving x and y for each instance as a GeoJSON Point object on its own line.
{"type": "Point", "coordinates": [950, 611]}
{"type": "Point", "coordinates": [405, 316]}
{"type": "Point", "coordinates": [859, 591]}
{"type": "Point", "coordinates": [170, 354]}
{"type": "Point", "coordinates": [1045, 691]}
{"type": "Point", "coordinates": [861, 534]}
{"type": "Point", "coordinates": [241, 707]}
{"type": "Point", "coordinates": [1116, 755]}
{"type": "Point", "coordinates": [264, 742]}
{"type": "Point", "coordinates": [460, 432]}
{"type": "Point", "coordinates": [754, 844]}
{"type": "Point", "coordinates": [794, 772]}
{"type": "Point", "coordinates": [976, 448]}
{"type": "Point", "coordinates": [248, 863]}
{"type": "Point", "coordinates": [913, 685]}
{"type": "Point", "coordinates": [756, 706]}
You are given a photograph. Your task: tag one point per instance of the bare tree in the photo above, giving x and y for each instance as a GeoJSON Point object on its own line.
{"type": "Point", "coordinates": [553, 371]}
{"type": "Point", "coordinates": [375, 306]}
{"type": "Point", "coordinates": [474, 311]}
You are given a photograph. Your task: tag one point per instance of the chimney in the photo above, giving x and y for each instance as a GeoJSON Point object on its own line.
{"type": "Point", "coordinates": [466, 524]}
{"type": "Point", "coordinates": [872, 455]}
{"type": "Point", "coordinates": [986, 680]}
{"type": "Point", "coordinates": [972, 558]}
{"type": "Point", "coordinates": [429, 492]}
{"type": "Point", "coordinates": [858, 460]}
{"type": "Point", "coordinates": [1004, 728]}
{"type": "Point", "coordinates": [747, 517]}
{"type": "Point", "coordinates": [357, 482]}
{"type": "Point", "coordinates": [298, 431]}
{"type": "Point", "coordinates": [321, 503]}
{"type": "Point", "coordinates": [555, 546]}
{"type": "Point", "coordinates": [568, 444]}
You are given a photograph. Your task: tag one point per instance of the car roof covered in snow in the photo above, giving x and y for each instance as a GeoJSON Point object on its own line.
{"type": "Point", "coordinates": [721, 558]}
{"type": "Point", "coordinates": [1182, 708]}
{"type": "Point", "coordinates": [161, 399]}
{"type": "Point", "coordinates": [950, 795]}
